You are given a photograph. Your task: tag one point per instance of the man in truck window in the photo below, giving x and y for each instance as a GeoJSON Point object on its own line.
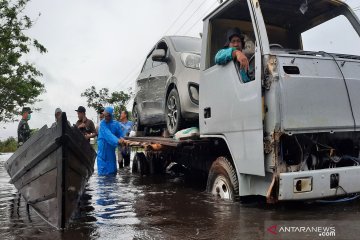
{"type": "Point", "coordinates": [233, 51]}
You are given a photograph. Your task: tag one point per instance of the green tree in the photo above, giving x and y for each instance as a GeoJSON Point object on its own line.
{"type": "Point", "coordinates": [19, 84]}
{"type": "Point", "coordinates": [95, 99]}
{"type": "Point", "coordinates": [119, 100]}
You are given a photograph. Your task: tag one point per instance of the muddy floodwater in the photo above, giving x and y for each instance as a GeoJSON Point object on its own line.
{"type": "Point", "coordinates": [127, 206]}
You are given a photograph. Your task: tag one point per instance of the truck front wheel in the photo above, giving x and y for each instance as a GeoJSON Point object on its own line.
{"type": "Point", "coordinates": [222, 180]}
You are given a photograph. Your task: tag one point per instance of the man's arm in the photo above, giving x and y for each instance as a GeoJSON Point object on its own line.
{"type": "Point", "coordinates": [223, 56]}
{"type": "Point", "coordinates": [242, 59]}
{"type": "Point", "coordinates": [108, 136]}
{"type": "Point", "coordinates": [92, 130]}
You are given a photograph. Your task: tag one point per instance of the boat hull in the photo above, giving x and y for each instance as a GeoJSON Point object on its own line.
{"type": "Point", "coordinates": [51, 170]}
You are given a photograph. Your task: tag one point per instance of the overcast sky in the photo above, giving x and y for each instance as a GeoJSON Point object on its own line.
{"type": "Point", "coordinates": [102, 43]}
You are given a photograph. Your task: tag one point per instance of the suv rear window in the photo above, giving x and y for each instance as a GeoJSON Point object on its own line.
{"type": "Point", "coordinates": [187, 44]}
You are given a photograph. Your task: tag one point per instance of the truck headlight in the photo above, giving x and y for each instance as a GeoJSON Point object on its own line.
{"type": "Point", "coordinates": [190, 60]}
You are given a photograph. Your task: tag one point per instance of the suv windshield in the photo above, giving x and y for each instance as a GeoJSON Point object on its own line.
{"type": "Point", "coordinates": [321, 25]}
{"type": "Point", "coordinates": [186, 44]}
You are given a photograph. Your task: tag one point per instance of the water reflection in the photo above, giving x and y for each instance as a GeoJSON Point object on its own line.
{"type": "Point", "coordinates": [126, 206]}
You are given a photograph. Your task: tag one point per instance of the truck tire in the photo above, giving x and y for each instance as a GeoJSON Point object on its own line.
{"type": "Point", "coordinates": [140, 164]}
{"type": "Point", "coordinates": [173, 112]}
{"type": "Point", "coordinates": [136, 117]}
{"type": "Point", "coordinates": [222, 180]}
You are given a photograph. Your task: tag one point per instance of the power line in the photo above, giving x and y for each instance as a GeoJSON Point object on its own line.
{"type": "Point", "coordinates": [202, 3]}
{"type": "Point", "coordinates": [140, 62]}
{"type": "Point", "coordinates": [197, 21]}
{"type": "Point", "coordinates": [128, 77]}
{"type": "Point", "coordinates": [191, 1]}
{"type": "Point", "coordinates": [129, 74]}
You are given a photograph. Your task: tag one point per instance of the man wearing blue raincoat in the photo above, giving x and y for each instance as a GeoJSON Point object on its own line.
{"type": "Point", "coordinates": [110, 136]}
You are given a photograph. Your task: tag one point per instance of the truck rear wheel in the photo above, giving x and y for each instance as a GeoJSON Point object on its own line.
{"type": "Point", "coordinates": [140, 164]}
{"type": "Point", "coordinates": [222, 180]}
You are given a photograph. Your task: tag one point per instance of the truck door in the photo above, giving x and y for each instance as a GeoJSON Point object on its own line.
{"type": "Point", "coordinates": [228, 105]}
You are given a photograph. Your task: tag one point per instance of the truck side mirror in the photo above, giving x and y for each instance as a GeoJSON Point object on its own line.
{"type": "Point", "coordinates": [159, 55]}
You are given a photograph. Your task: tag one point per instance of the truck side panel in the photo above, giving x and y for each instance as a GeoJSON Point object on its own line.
{"type": "Point", "coordinates": [316, 97]}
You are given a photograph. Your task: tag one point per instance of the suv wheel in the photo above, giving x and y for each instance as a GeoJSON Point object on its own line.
{"type": "Point", "coordinates": [173, 112]}
{"type": "Point", "coordinates": [137, 125]}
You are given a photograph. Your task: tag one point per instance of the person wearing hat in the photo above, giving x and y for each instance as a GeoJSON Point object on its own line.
{"type": "Point", "coordinates": [100, 111]}
{"type": "Point", "coordinates": [23, 130]}
{"type": "Point", "coordinates": [233, 51]}
{"type": "Point", "coordinates": [85, 125]}
{"type": "Point", "coordinates": [110, 136]}
{"type": "Point", "coordinates": [58, 113]}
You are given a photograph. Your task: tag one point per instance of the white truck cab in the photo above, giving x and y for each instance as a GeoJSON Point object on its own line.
{"type": "Point", "coordinates": [292, 133]}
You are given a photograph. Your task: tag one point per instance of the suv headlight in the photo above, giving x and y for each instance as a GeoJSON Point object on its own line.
{"type": "Point", "coordinates": [190, 60]}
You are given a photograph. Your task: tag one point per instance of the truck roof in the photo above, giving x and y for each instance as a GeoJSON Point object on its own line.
{"type": "Point", "coordinates": [285, 12]}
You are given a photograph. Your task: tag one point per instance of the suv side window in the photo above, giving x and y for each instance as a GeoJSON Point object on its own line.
{"type": "Point", "coordinates": [161, 45]}
{"type": "Point", "coordinates": [148, 63]}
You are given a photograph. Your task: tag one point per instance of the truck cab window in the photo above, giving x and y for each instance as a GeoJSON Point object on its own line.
{"type": "Point", "coordinates": [238, 17]}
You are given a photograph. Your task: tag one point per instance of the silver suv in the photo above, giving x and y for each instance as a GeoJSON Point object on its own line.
{"type": "Point", "coordinates": [167, 89]}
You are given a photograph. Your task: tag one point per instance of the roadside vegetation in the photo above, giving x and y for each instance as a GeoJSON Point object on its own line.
{"type": "Point", "coordinates": [102, 98]}
{"type": "Point", "coordinates": [8, 145]}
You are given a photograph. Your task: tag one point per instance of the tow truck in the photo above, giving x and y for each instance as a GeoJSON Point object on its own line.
{"type": "Point", "coordinates": [292, 132]}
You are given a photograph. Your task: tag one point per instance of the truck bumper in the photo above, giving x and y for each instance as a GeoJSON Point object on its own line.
{"type": "Point", "coordinates": [319, 183]}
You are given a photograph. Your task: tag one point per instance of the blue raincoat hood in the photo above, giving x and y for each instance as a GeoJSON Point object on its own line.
{"type": "Point", "coordinates": [109, 110]}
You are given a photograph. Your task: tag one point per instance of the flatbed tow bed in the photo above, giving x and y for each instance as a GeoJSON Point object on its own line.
{"type": "Point", "coordinates": [164, 142]}
{"type": "Point", "coordinates": [154, 154]}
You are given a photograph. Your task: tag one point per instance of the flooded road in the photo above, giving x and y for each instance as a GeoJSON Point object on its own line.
{"type": "Point", "coordinates": [127, 206]}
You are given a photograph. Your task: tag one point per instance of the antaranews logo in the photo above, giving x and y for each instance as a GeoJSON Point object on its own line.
{"type": "Point", "coordinates": [285, 229]}
{"type": "Point", "coordinates": [272, 229]}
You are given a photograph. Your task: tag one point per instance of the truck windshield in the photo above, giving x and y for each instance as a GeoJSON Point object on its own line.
{"type": "Point", "coordinates": [336, 36]}
{"type": "Point", "coordinates": [186, 44]}
{"type": "Point", "coordinates": [321, 25]}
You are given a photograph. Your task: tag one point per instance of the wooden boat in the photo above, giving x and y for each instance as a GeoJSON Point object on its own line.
{"type": "Point", "coordinates": [51, 170]}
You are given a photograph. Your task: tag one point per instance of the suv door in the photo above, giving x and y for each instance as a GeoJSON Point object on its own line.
{"type": "Point", "coordinates": [157, 86]}
{"type": "Point", "coordinates": [142, 95]}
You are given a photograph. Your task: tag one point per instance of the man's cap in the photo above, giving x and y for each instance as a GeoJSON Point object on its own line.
{"type": "Point", "coordinates": [26, 109]}
{"type": "Point", "coordinates": [81, 109]}
{"type": "Point", "coordinates": [100, 109]}
{"type": "Point", "coordinates": [233, 32]}
{"type": "Point", "coordinates": [58, 110]}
